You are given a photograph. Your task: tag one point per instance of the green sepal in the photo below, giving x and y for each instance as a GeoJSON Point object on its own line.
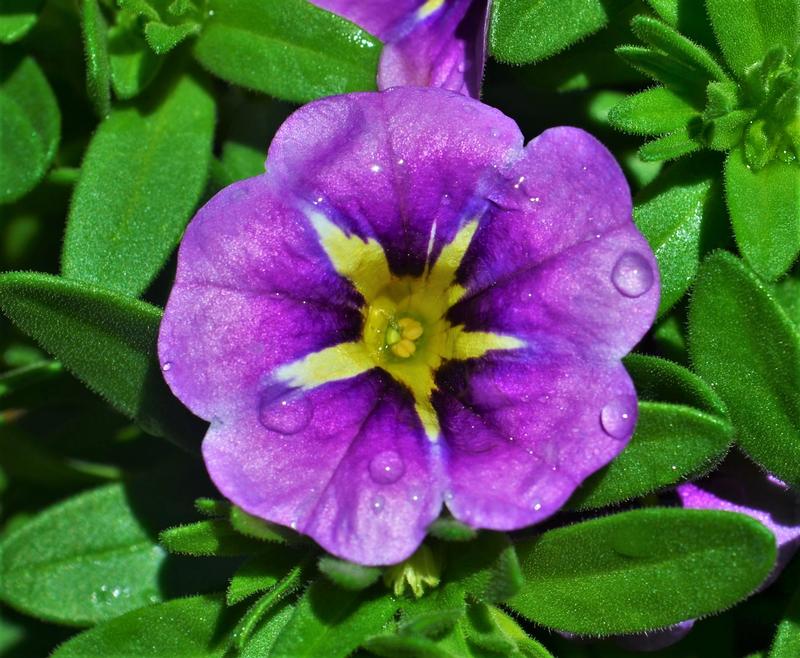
{"type": "Point", "coordinates": [653, 112]}
{"type": "Point", "coordinates": [98, 68]}
{"type": "Point", "coordinates": [725, 132]}
{"type": "Point", "coordinates": [450, 529]}
{"type": "Point", "coordinates": [744, 345]}
{"type": "Point", "coordinates": [209, 537]}
{"type": "Point", "coordinates": [106, 340]}
{"type": "Point", "coordinates": [671, 146]}
{"type": "Point", "coordinates": [212, 508]}
{"type": "Point", "coordinates": [522, 32]}
{"type": "Point", "coordinates": [786, 643]}
{"type": "Point", "coordinates": [259, 573]}
{"type": "Point", "coordinates": [675, 74]}
{"type": "Point", "coordinates": [405, 646]}
{"type": "Point", "coordinates": [642, 569]}
{"type": "Point", "coordinates": [256, 528]}
{"type": "Point", "coordinates": [347, 574]}
{"type": "Point", "coordinates": [162, 37]}
{"type": "Point", "coordinates": [672, 43]}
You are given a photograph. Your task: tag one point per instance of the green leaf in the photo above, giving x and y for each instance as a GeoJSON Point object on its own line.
{"type": "Point", "coordinates": [133, 64]}
{"type": "Point", "coordinates": [405, 646]}
{"type": "Point", "coordinates": [747, 29]}
{"type": "Point", "coordinates": [669, 147]}
{"type": "Point", "coordinates": [90, 558]}
{"type": "Point", "coordinates": [252, 526]}
{"type": "Point", "coordinates": [287, 48]}
{"type": "Point", "coordinates": [106, 340]}
{"type": "Point", "coordinates": [449, 529]}
{"type": "Point", "coordinates": [765, 212]}
{"type": "Point", "coordinates": [523, 31]}
{"type": "Point", "coordinates": [30, 126]}
{"type": "Point", "coordinates": [671, 443]}
{"type": "Point", "coordinates": [682, 216]}
{"type": "Point", "coordinates": [672, 43]}
{"type": "Point", "coordinates": [653, 112]}
{"type": "Point", "coordinates": [346, 574]}
{"type": "Point", "coordinates": [431, 621]}
{"type": "Point", "coordinates": [195, 627]}
{"type": "Point", "coordinates": [331, 621]}
{"type": "Point", "coordinates": [140, 181]}
{"type": "Point", "coordinates": [209, 537]}
{"type": "Point", "coordinates": [487, 568]}
{"type": "Point", "coordinates": [679, 76]}
{"type": "Point", "coordinates": [162, 37]}
{"type": "Point", "coordinates": [17, 17]}
{"type": "Point", "coordinates": [260, 643]}
{"type": "Point", "coordinates": [98, 68]}
{"type": "Point", "coordinates": [643, 569]}
{"type": "Point", "coordinates": [743, 344]}
{"type": "Point", "coordinates": [787, 638]}
{"type": "Point", "coordinates": [527, 646]}
{"type": "Point", "coordinates": [259, 573]}
{"type": "Point", "coordinates": [212, 508]}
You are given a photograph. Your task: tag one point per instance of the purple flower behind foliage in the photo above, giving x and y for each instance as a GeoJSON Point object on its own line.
{"type": "Point", "coordinates": [410, 309]}
{"type": "Point", "coordinates": [427, 43]}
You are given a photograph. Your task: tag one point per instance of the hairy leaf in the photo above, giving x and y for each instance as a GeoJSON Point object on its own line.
{"type": "Point", "coordinates": [98, 68]}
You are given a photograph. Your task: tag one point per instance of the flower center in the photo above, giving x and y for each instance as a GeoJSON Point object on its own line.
{"type": "Point", "coordinates": [402, 335]}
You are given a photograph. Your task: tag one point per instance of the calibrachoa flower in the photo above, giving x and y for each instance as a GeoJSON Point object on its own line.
{"type": "Point", "coordinates": [408, 309]}
{"type": "Point", "coordinates": [427, 43]}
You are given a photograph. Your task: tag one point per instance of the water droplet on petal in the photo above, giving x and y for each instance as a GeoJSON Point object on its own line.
{"type": "Point", "coordinates": [377, 504]}
{"type": "Point", "coordinates": [375, 168]}
{"type": "Point", "coordinates": [386, 467]}
{"type": "Point", "coordinates": [166, 366]}
{"type": "Point", "coordinates": [286, 414]}
{"type": "Point", "coordinates": [618, 417]}
{"type": "Point", "coordinates": [632, 275]}
{"type": "Point", "coordinates": [537, 507]}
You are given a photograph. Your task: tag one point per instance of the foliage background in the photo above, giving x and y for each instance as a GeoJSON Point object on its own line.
{"type": "Point", "coordinates": [118, 120]}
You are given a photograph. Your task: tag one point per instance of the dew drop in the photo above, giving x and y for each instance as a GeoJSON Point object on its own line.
{"type": "Point", "coordinates": [375, 168]}
{"type": "Point", "coordinates": [632, 275]}
{"type": "Point", "coordinates": [166, 366]}
{"type": "Point", "coordinates": [286, 414]}
{"type": "Point", "coordinates": [618, 417]}
{"type": "Point", "coordinates": [377, 504]}
{"type": "Point", "coordinates": [401, 161]}
{"type": "Point", "coordinates": [537, 507]}
{"type": "Point", "coordinates": [386, 467]}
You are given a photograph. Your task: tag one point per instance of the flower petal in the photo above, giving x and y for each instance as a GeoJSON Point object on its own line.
{"type": "Point", "coordinates": [406, 167]}
{"type": "Point", "coordinates": [524, 428]}
{"type": "Point", "coordinates": [375, 16]}
{"type": "Point", "coordinates": [560, 255]}
{"type": "Point", "coordinates": [346, 463]}
{"type": "Point", "coordinates": [253, 290]}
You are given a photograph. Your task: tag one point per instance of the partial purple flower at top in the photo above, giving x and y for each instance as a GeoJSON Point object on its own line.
{"type": "Point", "coordinates": [410, 309]}
{"type": "Point", "coordinates": [427, 43]}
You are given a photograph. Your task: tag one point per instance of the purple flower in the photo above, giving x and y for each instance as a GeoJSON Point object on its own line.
{"type": "Point", "coordinates": [427, 43]}
{"type": "Point", "coordinates": [410, 309]}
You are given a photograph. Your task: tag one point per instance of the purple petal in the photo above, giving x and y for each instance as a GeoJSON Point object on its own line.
{"type": "Point", "coordinates": [443, 48]}
{"type": "Point", "coordinates": [524, 429]}
{"type": "Point", "coordinates": [738, 485]}
{"type": "Point", "coordinates": [234, 314]}
{"type": "Point", "coordinates": [346, 463]}
{"type": "Point", "coordinates": [561, 255]}
{"type": "Point", "coordinates": [393, 165]}
{"type": "Point", "coordinates": [656, 640]}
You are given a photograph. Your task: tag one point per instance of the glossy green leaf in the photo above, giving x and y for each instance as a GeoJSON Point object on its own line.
{"type": "Point", "coordinates": [332, 621]}
{"type": "Point", "coordinates": [787, 638]}
{"type": "Point", "coordinates": [209, 537]}
{"type": "Point", "coordinates": [743, 344]}
{"type": "Point", "coordinates": [90, 558]}
{"type": "Point", "coordinates": [682, 216]}
{"type": "Point", "coordinates": [106, 340]}
{"type": "Point", "coordinates": [98, 67]}
{"type": "Point", "coordinates": [747, 29]}
{"type": "Point", "coordinates": [765, 212]}
{"type": "Point", "coordinates": [669, 147]}
{"type": "Point", "coordinates": [671, 443]}
{"type": "Point", "coordinates": [523, 31]}
{"type": "Point", "coordinates": [347, 574]}
{"type": "Point", "coordinates": [260, 572]}
{"type": "Point", "coordinates": [30, 126]}
{"type": "Point", "coordinates": [17, 17]}
{"type": "Point", "coordinates": [287, 48]}
{"type": "Point", "coordinates": [640, 570]}
{"type": "Point", "coordinates": [140, 181]}
{"type": "Point", "coordinates": [652, 112]}
{"type": "Point", "coordinates": [195, 627]}
{"type": "Point", "coordinates": [671, 42]}
{"type": "Point", "coordinates": [133, 64]}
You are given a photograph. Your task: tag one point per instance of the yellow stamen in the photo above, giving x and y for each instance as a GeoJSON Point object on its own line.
{"type": "Point", "coordinates": [410, 328]}
{"type": "Point", "coordinates": [404, 348]}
